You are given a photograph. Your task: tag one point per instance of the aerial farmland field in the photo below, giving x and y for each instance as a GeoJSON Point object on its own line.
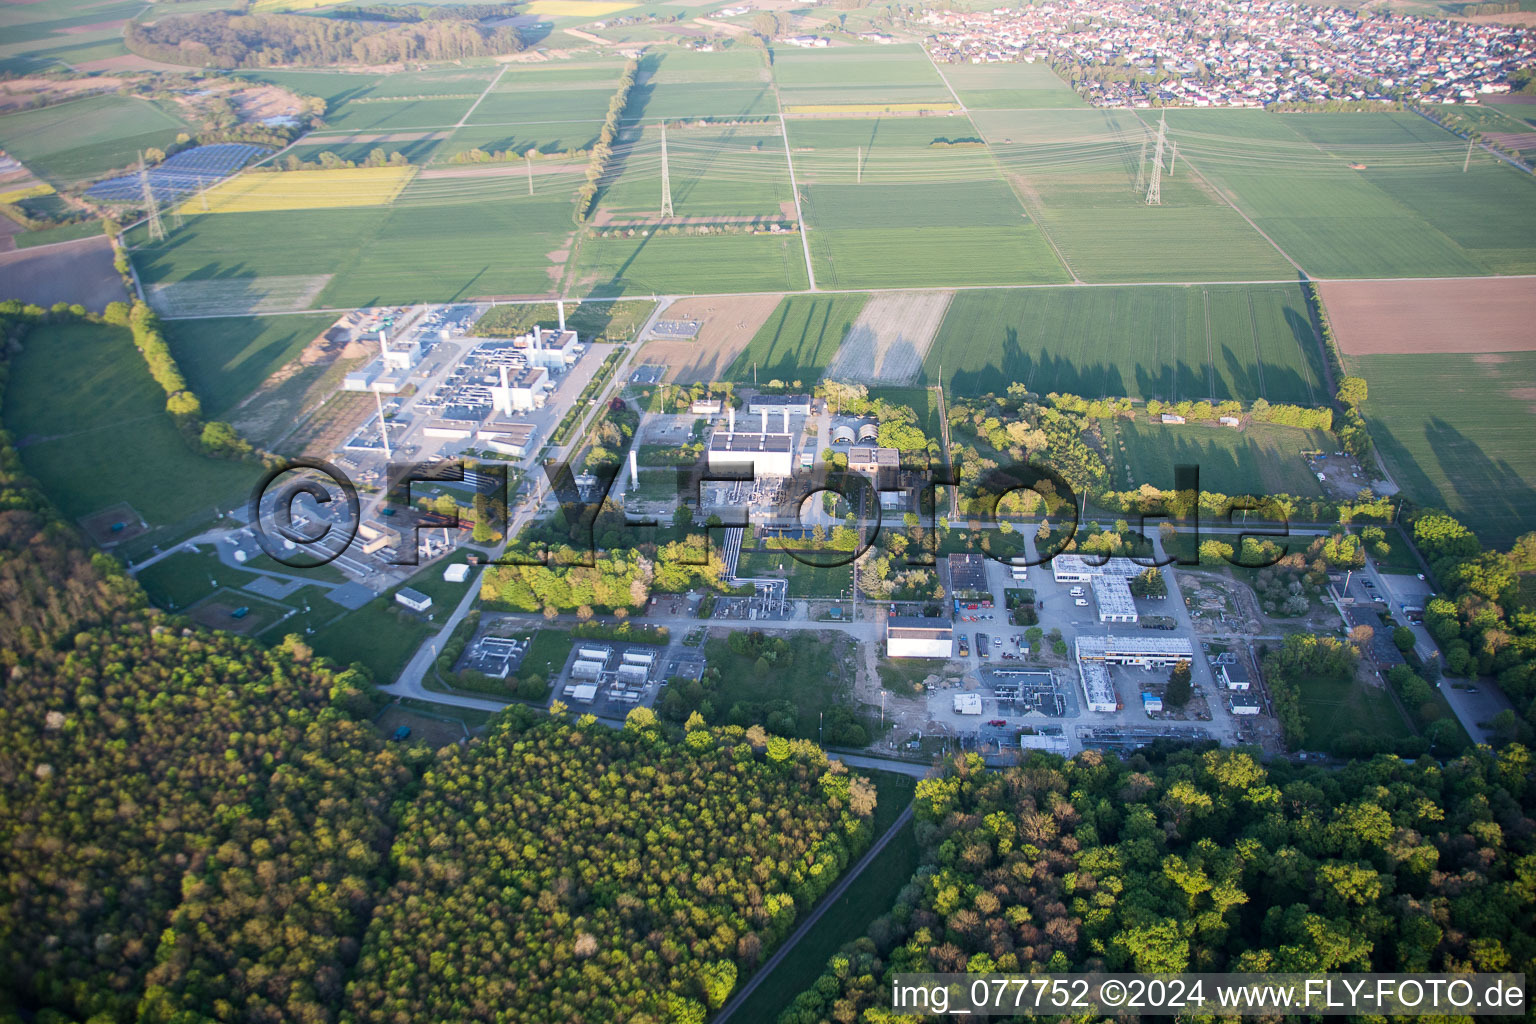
{"type": "Point", "coordinates": [798, 340]}
{"type": "Point", "coordinates": [1366, 195]}
{"type": "Point", "coordinates": [1173, 343]}
{"type": "Point", "coordinates": [1455, 432]}
{"type": "Point", "coordinates": [224, 360]}
{"type": "Point", "coordinates": [682, 84]}
{"type": "Point", "coordinates": [730, 171]}
{"type": "Point", "coordinates": [1009, 86]}
{"type": "Point", "coordinates": [86, 138]}
{"type": "Point", "coordinates": [1077, 173]}
{"type": "Point", "coordinates": [858, 75]}
{"type": "Point", "coordinates": [908, 202]}
{"type": "Point", "coordinates": [661, 264]}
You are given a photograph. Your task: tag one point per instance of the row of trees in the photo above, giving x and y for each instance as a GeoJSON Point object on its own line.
{"type": "Point", "coordinates": [1204, 861]}
{"type": "Point", "coordinates": [221, 39]}
{"type": "Point", "coordinates": [602, 149]}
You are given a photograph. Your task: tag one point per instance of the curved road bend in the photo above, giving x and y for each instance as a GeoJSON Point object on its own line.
{"type": "Point", "coordinates": [833, 895]}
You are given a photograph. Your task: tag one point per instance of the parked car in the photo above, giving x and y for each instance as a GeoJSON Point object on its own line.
{"type": "Point", "coordinates": [997, 721]}
{"type": "Point", "coordinates": [1081, 602]}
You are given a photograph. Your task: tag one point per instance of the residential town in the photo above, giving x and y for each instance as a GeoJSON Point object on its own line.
{"type": "Point", "coordinates": [1239, 53]}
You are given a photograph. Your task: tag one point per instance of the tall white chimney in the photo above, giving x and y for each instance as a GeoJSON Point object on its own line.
{"type": "Point", "coordinates": [764, 414]}
{"type": "Point", "coordinates": [634, 471]}
{"type": "Point", "coordinates": [732, 412]}
{"type": "Point", "coordinates": [503, 374]}
{"type": "Point", "coordinates": [786, 420]}
{"type": "Point", "coordinates": [560, 310]}
{"type": "Point", "coordinates": [383, 342]}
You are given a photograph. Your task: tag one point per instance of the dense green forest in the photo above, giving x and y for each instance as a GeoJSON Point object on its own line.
{"type": "Point", "coordinates": [1205, 862]}
{"type": "Point", "coordinates": [220, 39]}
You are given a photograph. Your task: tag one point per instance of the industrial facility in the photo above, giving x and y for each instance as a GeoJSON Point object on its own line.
{"type": "Point", "coordinates": [907, 637]}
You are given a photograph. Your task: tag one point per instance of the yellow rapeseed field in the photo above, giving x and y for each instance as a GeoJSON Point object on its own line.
{"type": "Point", "coordinates": [16, 195]}
{"type": "Point", "coordinates": [256, 191]}
{"type": "Point", "coordinates": [575, 8]}
{"type": "Point", "coordinates": [864, 108]}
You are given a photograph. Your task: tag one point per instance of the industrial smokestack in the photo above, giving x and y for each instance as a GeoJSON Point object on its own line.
{"type": "Point", "coordinates": [786, 421]}
{"type": "Point", "coordinates": [503, 374]}
{"type": "Point", "coordinates": [764, 414]}
{"type": "Point", "coordinates": [560, 309]}
{"type": "Point", "coordinates": [383, 342]}
{"type": "Point", "coordinates": [634, 471]}
{"type": "Point", "coordinates": [732, 412]}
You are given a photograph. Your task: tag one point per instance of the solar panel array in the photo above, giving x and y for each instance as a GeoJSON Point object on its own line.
{"type": "Point", "coordinates": [180, 174]}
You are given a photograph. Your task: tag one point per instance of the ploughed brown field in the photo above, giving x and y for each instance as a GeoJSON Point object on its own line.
{"type": "Point", "coordinates": [1483, 314]}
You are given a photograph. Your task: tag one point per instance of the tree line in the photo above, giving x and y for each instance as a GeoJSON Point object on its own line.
{"type": "Point", "coordinates": [221, 39]}
{"type": "Point", "coordinates": [602, 149]}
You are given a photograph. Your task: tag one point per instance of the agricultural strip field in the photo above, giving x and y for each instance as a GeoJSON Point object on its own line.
{"type": "Point", "coordinates": [73, 393]}
{"type": "Point", "coordinates": [1076, 172]}
{"type": "Point", "coordinates": [733, 172]}
{"type": "Point", "coordinates": [52, 35]}
{"type": "Point", "coordinates": [728, 323]}
{"type": "Point", "coordinates": [799, 339]}
{"type": "Point", "coordinates": [78, 271]}
{"type": "Point", "coordinates": [417, 147]}
{"type": "Point", "coordinates": [912, 202]}
{"type": "Point", "coordinates": [1009, 86]}
{"type": "Point", "coordinates": [427, 99]}
{"type": "Point", "coordinates": [1455, 432]}
{"type": "Point", "coordinates": [858, 75]}
{"type": "Point", "coordinates": [1366, 195]}
{"type": "Point", "coordinates": [1487, 314]}
{"type": "Point", "coordinates": [225, 360]}
{"type": "Point", "coordinates": [657, 264]}
{"type": "Point", "coordinates": [1170, 342]}
{"type": "Point", "coordinates": [86, 138]}
{"type": "Point", "coordinates": [682, 84]}
{"type": "Point", "coordinates": [441, 240]}
{"type": "Point", "coordinates": [547, 137]}
{"type": "Point", "coordinates": [262, 191]}
{"type": "Point", "coordinates": [890, 339]}
{"type": "Point", "coordinates": [1260, 459]}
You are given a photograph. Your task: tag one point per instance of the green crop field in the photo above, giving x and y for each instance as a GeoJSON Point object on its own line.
{"type": "Point", "coordinates": [442, 240]}
{"type": "Point", "coordinates": [1009, 86]}
{"type": "Point", "coordinates": [531, 106]}
{"type": "Point", "coordinates": [1260, 459]}
{"type": "Point", "coordinates": [1455, 432]}
{"type": "Point", "coordinates": [661, 264]}
{"type": "Point", "coordinates": [1077, 172]}
{"type": "Point", "coordinates": [682, 84]}
{"type": "Point", "coordinates": [224, 360]}
{"type": "Point", "coordinates": [799, 339]}
{"type": "Point", "coordinates": [87, 138]}
{"type": "Point", "coordinates": [736, 171]}
{"type": "Point", "coordinates": [398, 115]}
{"type": "Point", "coordinates": [59, 35]}
{"type": "Point", "coordinates": [74, 393]}
{"type": "Point", "coordinates": [440, 82]}
{"type": "Point", "coordinates": [1366, 195]}
{"type": "Point", "coordinates": [1169, 342]}
{"type": "Point", "coordinates": [332, 86]}
{"type": "Point", "coordinates": [857, 74]}
{"type": "Point", "coordinates": [891, 205]}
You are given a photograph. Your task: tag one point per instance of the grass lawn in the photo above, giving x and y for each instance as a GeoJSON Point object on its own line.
{"type": "Point", "coordinates": [873, 893]}
{"type": "Point", "coordinates": [226, 359]}
{"type": "Point", "coordinates": [1454, 430]}
{"type": "Point", "coordinates": [182, 579]}
{"type": "Point", "coordinates": [812, 581]}
{"type": "Point", "coordinates": [381, 636]}
{"type": "Point", "coordinates": [1260, 459]}
{"type": "Point", "coordinates": [76, 393]}
{"type": "Point", "coordinates": [799, 339]}
{"type": "Point", "coordinates": [1335, 708]}
{"type": "Point", "coordinates": [1399, 558]}
{"type": "Point", "coordinates": [593, 321]}
{"type": "Point", "coordinates": [818, 676]}
{"type": "Point", "coordinates": [1170, 342]}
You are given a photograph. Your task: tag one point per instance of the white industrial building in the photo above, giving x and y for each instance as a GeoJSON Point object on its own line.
{"type": "Point", "coordinates": [1098, 688]}
{"type": "Point", "coordinates": [633, 675]}
{"type": "Point", "coordinates": [967, 704]}
{"type": "Point", "coordinates": [1112, 594]}
{"type": "Point", "coordinates": [450, 430]}
{"type": "Point", "coordinates": [1145, 651]}
{"type": "Point", "coordinates": [1234, 677]}
{"type": "Point", "coordinates": [1244, 704]}
{"type": "Point", "coordinates": [415, 600]}
{"type": "Point", "coordinates": [521, 390]}
{"type": "Point", "coordinates": [863, 459]}
{"type": "Point", "coordinates": [515, 439]}
{"type": "Point", "coordinates": [795, 405]}
{"type": "Point", "coordinates": [707, 407]}
{"type": "Point", "coordinates": [457, 572]}
{"type": "Point", "coordinates": [767, 454]}
{"type": "Point", "coordinates": [587, 670]}
{"type": "Point", "coordinates": [908, 637]}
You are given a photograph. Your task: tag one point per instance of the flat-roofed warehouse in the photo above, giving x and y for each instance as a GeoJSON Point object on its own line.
{"type": "Point", "coordinates": [1113, 596]}
{"type": "Point", "coordinates": [909, 637]}
{"type": "Point", "coordinates": [795, 405]}
{"type": "Point", "coordinates": [1149, 651]}
{"type": "Point", "coordinates": [767, 454]}
{"type": "Point", "coordinates": [1077, 569]}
